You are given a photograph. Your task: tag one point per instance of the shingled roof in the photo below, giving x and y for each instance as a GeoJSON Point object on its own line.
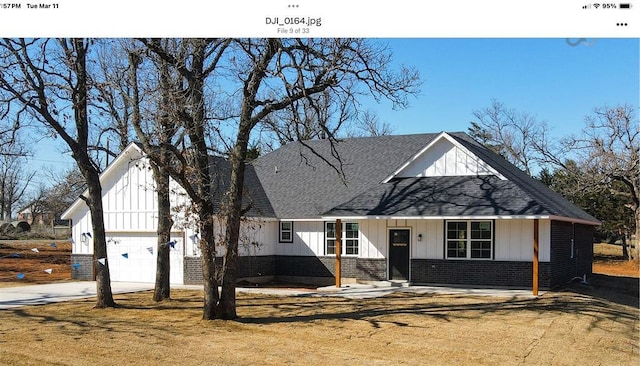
{"type": "Point", "coordinates": [300, 185]}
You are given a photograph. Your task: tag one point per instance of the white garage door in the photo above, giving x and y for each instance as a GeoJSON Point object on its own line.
{"type": "Point", "coordinates": [132, 257]}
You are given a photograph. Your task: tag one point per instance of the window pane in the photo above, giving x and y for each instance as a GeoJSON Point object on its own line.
{"type": "Point", "coordinates": [331, 230]}
{"type": "Point", "coordinates": [285, 226]}
{"type": "Point", "coordinates": [285, 235]}
{"type": "Point", "coordinates": [351, 247]}
{"type": "Point", "coordinates": [351, 231]}
{"type": "Point", "coordinates": [456, 249]}
{"type": "Point", "coordinates": [481, 230]}
{"type": "Point", "coordinates": [456, 230]}
{"type": "Point", "coordinates": [480, 249]}
{"type": "Point", "coordinates": [331, 246]}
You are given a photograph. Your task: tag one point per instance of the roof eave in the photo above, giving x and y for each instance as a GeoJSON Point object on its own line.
{"type": "Point", "coordinates": [465, 217]}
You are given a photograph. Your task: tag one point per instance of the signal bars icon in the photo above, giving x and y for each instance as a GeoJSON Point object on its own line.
{"type": "Point", "coordinates": [588, 6]}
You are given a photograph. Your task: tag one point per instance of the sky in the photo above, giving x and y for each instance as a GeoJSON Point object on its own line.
{"type": "Point", "coordinates": [556, 79]}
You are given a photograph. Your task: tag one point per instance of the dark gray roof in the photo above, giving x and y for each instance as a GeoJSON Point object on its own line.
{"type": "Point", "coordinates": [443, 196]}
{"type": "Point", "coordinates": [293, 182]}
{"type": "Point", "coordinates": [299, 184]}
{"type": "Point", "coordinates": [253, 196]}
{"type": "Point", "coordinates": [553, 202]}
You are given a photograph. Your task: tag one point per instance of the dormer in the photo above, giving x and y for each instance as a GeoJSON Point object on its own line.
{"type": "Point", "coordinates": [443, 156]}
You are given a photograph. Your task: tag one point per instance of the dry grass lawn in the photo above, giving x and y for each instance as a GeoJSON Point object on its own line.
{"type": "Point", "coordinates": [555, 329]}
{"type": "Point", "coordinates": [584, 325]}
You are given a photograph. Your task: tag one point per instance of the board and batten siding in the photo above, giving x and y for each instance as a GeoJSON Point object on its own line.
{"type": "Point", "coordinates": [444, 158]}
{"type": "Point", "coordinates": [513, 239]}
{"type": "Point", "coordinates": [308, 239]}
{"type": "Point", "coordinates": [129, 203]}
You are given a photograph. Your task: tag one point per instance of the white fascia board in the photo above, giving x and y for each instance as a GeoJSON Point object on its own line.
{"type": "Point", "coordinates": [309, 219]}
{"type": "Point", "coordinates": [575, 221]}
{"type": "Point", "coordinates": [429, 145]}
{"type": "Point", "coordinates": [132, 146]}
{"type": "Point", "coordinates": [470, 217]}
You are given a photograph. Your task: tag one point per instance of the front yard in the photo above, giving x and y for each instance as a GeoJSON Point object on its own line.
{"type": "Point", "coordinates": [560, 328]}
{"type": "Point", "coordinates": [596, 324]}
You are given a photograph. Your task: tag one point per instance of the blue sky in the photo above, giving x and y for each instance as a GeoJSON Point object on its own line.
{"type": "Point", "coordinates": [545, 77]}
{"type": "Point", "coordinates": [549, 78]}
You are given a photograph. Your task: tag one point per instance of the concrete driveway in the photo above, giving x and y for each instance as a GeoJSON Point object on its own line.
{"type": "Point", "coordinates": [11, 297]}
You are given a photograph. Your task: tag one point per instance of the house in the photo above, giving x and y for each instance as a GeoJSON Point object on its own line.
{"type": "Point", "coordinates": [31, 215]}
{"type": "Point", "coordinates": [427, 208]}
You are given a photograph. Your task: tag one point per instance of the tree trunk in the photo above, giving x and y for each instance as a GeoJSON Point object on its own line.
{"type": "Point", "coordinates": [227, 306]}
{"type": "Point", "coordinates": [94, 201]}
{"type": "Point", "coordinates": [625, 251]}
{"type": "Point", "coordinates": [163, 267]}
{"type": "Point", "coordinates": [637, 241]}
{"type": "Point", "coordinates": [209, 272]}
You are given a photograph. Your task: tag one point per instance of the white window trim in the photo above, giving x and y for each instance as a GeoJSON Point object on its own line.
{"type": "Point", "coordinates": [468, 240]}
{"type": "Point", "coordinates": [280, 231]}
{"type": "Point", "coordinates": [343, 241]}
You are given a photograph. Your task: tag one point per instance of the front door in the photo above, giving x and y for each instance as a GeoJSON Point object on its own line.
{"type": "Point", "coordinates": [399, 254]}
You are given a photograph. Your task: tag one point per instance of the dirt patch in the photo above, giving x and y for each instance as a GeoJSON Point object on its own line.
{"type": "Point", "coordinates": [24, 262]}
{"type": "Point", "coordinates": [608, 260]}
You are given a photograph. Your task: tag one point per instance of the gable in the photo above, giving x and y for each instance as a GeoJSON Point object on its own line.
{"type": "Point", "coordinates": [444, 157]}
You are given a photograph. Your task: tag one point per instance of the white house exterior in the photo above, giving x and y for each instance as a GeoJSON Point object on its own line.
{"type": "Point", "coordinates": [431, 208]}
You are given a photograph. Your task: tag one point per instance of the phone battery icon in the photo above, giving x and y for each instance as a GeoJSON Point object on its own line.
{"type": "Point", "coordinates": [625, 5]}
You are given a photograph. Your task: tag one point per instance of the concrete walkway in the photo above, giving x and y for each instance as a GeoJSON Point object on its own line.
{"type": "Point", "coordinates": [11, 297]}
{"type": "Point", "coordinates": [378, 289]}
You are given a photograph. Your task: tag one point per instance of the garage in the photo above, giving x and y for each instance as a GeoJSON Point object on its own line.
{"type": "Point", "coordinates": [132, 257]}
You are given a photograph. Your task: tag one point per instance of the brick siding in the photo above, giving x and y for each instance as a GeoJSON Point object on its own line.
{"type": "Point", "coordinates": [254, 266]}
{"type": "Point", "coordinates": [85, 271]}
{"type": "Point", "coordinates": [478, 273]}
{"type": "Point", "coordinates": [304, 266]}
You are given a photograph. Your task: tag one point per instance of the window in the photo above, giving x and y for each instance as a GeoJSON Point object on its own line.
{"type": "Point", "coordinates": [469, 239]}
{"type": "Point", "coordinates": [286, 232]}
{"type": "Point", "coordinates": [350, 239]}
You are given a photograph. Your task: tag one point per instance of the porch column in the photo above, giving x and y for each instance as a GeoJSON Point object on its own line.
{"type": "Point", "coordinates": [338, 252]}
{"type": "Point", "coordinates": [535, 256]}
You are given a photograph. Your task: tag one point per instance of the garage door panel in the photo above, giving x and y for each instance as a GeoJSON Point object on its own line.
{"type": "Point", "coordinates": [132, 257]}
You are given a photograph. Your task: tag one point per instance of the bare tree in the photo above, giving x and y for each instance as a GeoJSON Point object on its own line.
{"type": "Point", "coordinates": [261, 78]}
{"type": "Point", "coordinates": [66, 187]}
{"type": "Point", "coordinates": [518, 136]}
{"type": "Point", "coordinates": [274, 74]}
{"type": "Point", "coordinates": [48, 81]}
{"type": "Point", "coordinates": [610, 151]}
{"type": "Point", "coordinates": [159, 134]}
{"type": "Point", "coordinates": [14, 181]}
{"type": "Point", "coordinates": [194, 60]}
{"type": "Point", "coordinates": [368, 124]}
{"type": "Point", "coordinates": [314, 118]}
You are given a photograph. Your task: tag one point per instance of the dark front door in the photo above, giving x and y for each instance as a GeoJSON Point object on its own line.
{"type": "Point", "coordinates": [399, 254]}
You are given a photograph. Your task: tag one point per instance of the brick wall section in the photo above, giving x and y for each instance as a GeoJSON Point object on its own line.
{"type": "Point", "coordinates": [563, 267]}
{"type": "Point", "coordinates": [192, 267]}
{"type": "Point", "coordinates": [479, 273]}
{"type": "Point", "coordinates": [361, 268]}
{"type": "Point", "coordinates": [254, 266]}
{"type": "Point", "coordinates": [85, 271]}
{"type": "Point", "coordinates": [371, 269]}
{"type": "Point", "coordinates": [584, 249]}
